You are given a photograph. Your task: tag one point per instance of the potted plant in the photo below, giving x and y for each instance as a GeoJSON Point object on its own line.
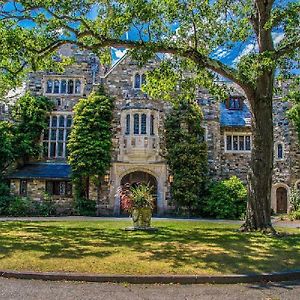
{"type": "Point", "coordinates": [138, 202]}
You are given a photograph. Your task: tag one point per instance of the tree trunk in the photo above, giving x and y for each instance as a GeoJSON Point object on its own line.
{"type": "Point", "coordinates": [258, 216]}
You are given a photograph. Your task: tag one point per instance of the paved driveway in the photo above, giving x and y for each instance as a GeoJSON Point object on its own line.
{"type": "Point", "coordinates": [13, 289]}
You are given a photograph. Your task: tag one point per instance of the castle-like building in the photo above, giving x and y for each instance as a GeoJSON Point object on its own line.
{"type": "Point", "coordinates": [137, 127]}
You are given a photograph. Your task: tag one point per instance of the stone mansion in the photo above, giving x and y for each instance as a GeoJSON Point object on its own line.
{"type": "Point", "coordinates": [138, 122]}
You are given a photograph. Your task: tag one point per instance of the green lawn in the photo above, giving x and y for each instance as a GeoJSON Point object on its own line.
{"type": "Point", "coordinates": [177, 248]}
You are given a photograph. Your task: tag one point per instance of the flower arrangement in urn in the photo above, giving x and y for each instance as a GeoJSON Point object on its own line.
{"type": "Point", "coordinates": [138, 202]}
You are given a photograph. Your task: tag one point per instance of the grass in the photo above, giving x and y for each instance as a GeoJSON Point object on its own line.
{"type": "Point", "coordinates": [177, 248]}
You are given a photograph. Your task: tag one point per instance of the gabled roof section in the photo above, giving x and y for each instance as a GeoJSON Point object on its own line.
{"type": "Point", "coordinates": [42, 171]}
{"type": "Point", "coordinates": [235, 118]}
{"type": "Point", "coordinates": [121, 60]}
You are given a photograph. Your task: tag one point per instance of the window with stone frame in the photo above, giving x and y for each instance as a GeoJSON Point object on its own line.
{"type": "Point", "coordinates": [59, 188]}
{"type": "Point", "coordinates": [138, 80]}
{"type": "Point", "coordinates": [56, 135]}
{"type": "Point", "coordinates": [279, 151]}
{"type": "Point", "coordinates": [238, 142]}
{"type": "Point", "coordinates": [234, 103]}
{"type": "Point", "coordinates": [23, 187]}
{"type": "Point", "coordinates": [63, 86]}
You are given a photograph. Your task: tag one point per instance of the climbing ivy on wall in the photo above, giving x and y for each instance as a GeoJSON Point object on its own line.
{"type": "Point", "coordinates": [90, 142]}
{"type": "Point", "coordinates": [20, 136]}
{"type": "Point", "coordinates": [186, 154]}
{"type": "Point", "coordinates": [293, 96]}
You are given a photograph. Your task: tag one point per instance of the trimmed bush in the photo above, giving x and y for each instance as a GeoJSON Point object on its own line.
{"type": "Point", "coordinates": [227, 199]}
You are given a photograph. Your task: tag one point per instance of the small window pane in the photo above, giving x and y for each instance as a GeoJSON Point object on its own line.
{"type": "Point", "coordinates": [23, 187]}
{"type": "Point", "coordinates": [68, 133]}
{"type": "Point", "coordinates": [61, 121]}
{"type": "Point", "coordinates": [54, 121]}
{"type": "Point", "coordinates": [61, 134]}
{"type": "Point", "coordinates": [279, 151]}
{"type": "Point", "coordinates": [62, 188]}
{"type": "Point", "coordinates": [235, 142]}
{"type": "Point", "coordinates": [53, 134]}
{"type": "Point", "coordinates": [63, 87]}
{"type": "Point", "coordinates": [136, 125]}
{"type": "Point", "coordinates": [248, 143]}
{"type": "Point", "coordinates": [49, 187]}
{"type": "Point", "coordinates": [137, 81]}
{"type": "Point", "coordinates": [143, 124]}
{"type": "Point", "coordinates": [69, 121]}
{"type": "Point", "coordinates": [49, 86]}
{"type": "Point", "coordinates": [241, 142]}
{"type": "Point", "coordinates": [77, 86]}
{"type": "Point", "coordinates": [70, 87]}
{"type": "Point", "coordinates": [144, 79]}
{"type": "Point", "coordinates": [127, 131]}
{"type": "Point", "coordinates": [229, 142]}
{"type": "Point", "coordinates": [56, 87]}
{"type": "Point", "coordinates": [52, 150]}
{"type": "Point", "coordinates": [152, 125]}
{"type": "Point", "coordinates": [60, 148]}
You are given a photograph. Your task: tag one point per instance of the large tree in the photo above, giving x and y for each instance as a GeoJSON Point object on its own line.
{"type": "Point", "coordinates": [194, 30]}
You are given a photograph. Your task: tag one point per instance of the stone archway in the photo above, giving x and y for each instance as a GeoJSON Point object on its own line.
{"type": "Point", "coordinates": [142, 177]}
{"type": "Point", "coordinates": [281, 200]}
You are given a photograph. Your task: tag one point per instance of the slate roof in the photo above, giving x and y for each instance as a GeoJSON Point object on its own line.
{"type": "Point", "coordinates": [42, 171]}
{"type": "Point", "coordinates": [235, 118]}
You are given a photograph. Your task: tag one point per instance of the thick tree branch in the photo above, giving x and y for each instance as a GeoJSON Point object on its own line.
{"type": "Point", "coordinates": [286, 49]}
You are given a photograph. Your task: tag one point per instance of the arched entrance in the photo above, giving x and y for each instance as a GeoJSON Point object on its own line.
{"type": "Point", "coordinates": [142, 177]}
{"type": "Point", "coordinates": [281, 200]}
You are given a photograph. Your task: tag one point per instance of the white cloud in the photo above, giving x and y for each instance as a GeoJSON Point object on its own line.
{"type": "Point", "coordinates": [119, 53]}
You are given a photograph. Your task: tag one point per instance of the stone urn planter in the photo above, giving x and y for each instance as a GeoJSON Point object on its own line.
{"type": "Point", "coordinates": [138, 202]}
{"type": "Point", "coordinates": [141, 217]}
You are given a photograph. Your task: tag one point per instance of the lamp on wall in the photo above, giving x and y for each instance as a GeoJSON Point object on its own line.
{"type": "Point", "coordinates": [171, 178]}
{"type": "Point", "coordinates": [106, 178]}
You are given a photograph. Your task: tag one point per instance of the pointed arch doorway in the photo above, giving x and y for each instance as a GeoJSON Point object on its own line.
{"type": "Point", "coordinates": [136, 177]}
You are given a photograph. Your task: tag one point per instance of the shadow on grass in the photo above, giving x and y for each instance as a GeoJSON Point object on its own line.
{"type": "Point", "coordinates": [194, 246]}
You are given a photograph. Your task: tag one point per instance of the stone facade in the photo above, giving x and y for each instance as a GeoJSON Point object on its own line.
{"type": "Point", "coordinates": [228, 133]}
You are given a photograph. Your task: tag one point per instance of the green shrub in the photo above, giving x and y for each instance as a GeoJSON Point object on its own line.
{"type": "Point", "coordinates": [294, 215]}
{"type": "Point", "coordinates": [85, 207]}
{"type": "Point", "coordinates": [21, 207]}
{"type": "Point", "coordinates": [227, 199]}
{"type": "Point", "coordinates": [294, 199]}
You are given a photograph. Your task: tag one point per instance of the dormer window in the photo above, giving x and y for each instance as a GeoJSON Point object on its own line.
{"type": "Point", "coordinates": [139, 80]}
{"type": "Point", "coordinates": [234, 103]}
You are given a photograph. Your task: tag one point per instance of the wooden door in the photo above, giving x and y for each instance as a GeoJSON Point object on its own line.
{"type": "Point", "coordinates": [281, 197]}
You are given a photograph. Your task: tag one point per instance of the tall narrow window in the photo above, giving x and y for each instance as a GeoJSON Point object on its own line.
{"type": "Point", "coordinates": [127, 131]}
{"type": "Point", "coordinates": [70, 86]}
{"type": "Point", "coordinates": [63, 87]}
{"type": "Point", "coordinates": [56, 87]}
{"type": "Point", "coordinates": [137, 81]}
{"type": "Point", "coordinates": [229, 142]}
{"type": "Point", "coordinates": [143, 79]}
{"type": "Point", "coordinates": [23, 187]}
{"type": "Point", "coordinates": [55, 137]}
{"type": "Point", "coordinates": [61, 121]}
{"type": "Point", "coordinates": [54, 121]}
{"type": "Point", "coordinates": [136, 124]}
{"type": "Point", "coordinates": [279, 151]}
{"type": "Point", "coordinates": [77, 86]}
{"type": "Point", "coordinates": [49, 86]}
{"type": "Point", "coordinates": [151, 125]}
{"type": "Point", "coordinates": [69, 121]}
{"type": "Point", "coordinates": [143, 124]}
{"type": "Point", "coordinates": [248, 143]}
